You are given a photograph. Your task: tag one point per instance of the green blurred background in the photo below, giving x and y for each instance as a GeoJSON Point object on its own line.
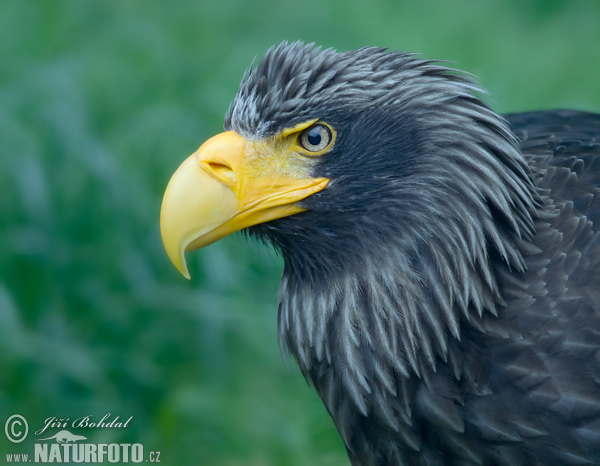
{"type": "Point", "coordinates": [99, 103]}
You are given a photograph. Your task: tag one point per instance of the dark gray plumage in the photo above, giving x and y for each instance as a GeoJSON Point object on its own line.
{"type": "Point", "coordinates": [442, 294]}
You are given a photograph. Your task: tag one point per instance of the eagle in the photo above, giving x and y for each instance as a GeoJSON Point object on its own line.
{"type": "Point", "coordinates": [441, 279]}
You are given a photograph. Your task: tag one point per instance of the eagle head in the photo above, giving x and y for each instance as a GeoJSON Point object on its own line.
{"type": "Point", "coordinates": [389, 187]}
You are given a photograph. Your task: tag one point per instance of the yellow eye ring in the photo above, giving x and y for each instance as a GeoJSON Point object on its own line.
{"type": "Point", "coordinates": [312, 137]}
{"type": "Point", "coordinates": [316, 138]}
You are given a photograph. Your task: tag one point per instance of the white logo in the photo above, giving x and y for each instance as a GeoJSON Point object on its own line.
{"type": "Point", "coordinates": [66, 447]}
{"type": "Point", "coordinates": [64, 436]}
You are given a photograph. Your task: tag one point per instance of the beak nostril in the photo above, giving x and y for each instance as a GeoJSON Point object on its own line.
{"type": "Point", "coordinates": [221, 171]}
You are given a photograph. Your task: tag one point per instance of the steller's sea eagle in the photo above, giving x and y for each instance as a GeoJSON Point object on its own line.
{"type": "Point", "coordinates": [441, 287]}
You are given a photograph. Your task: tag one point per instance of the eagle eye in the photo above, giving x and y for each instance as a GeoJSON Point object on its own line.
{"type": "Point", "coordinates": [315, 138]}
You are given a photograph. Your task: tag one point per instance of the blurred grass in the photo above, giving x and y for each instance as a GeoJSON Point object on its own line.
{"type": "Point", "coordinates": [99, 103]}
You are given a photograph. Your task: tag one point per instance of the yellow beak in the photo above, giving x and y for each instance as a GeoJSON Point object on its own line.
{"type": "Point", "coordinates": [212, 194]}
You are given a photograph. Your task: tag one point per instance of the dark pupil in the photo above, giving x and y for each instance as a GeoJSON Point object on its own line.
{"type": "Point", "coordinates": [314, 137]}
